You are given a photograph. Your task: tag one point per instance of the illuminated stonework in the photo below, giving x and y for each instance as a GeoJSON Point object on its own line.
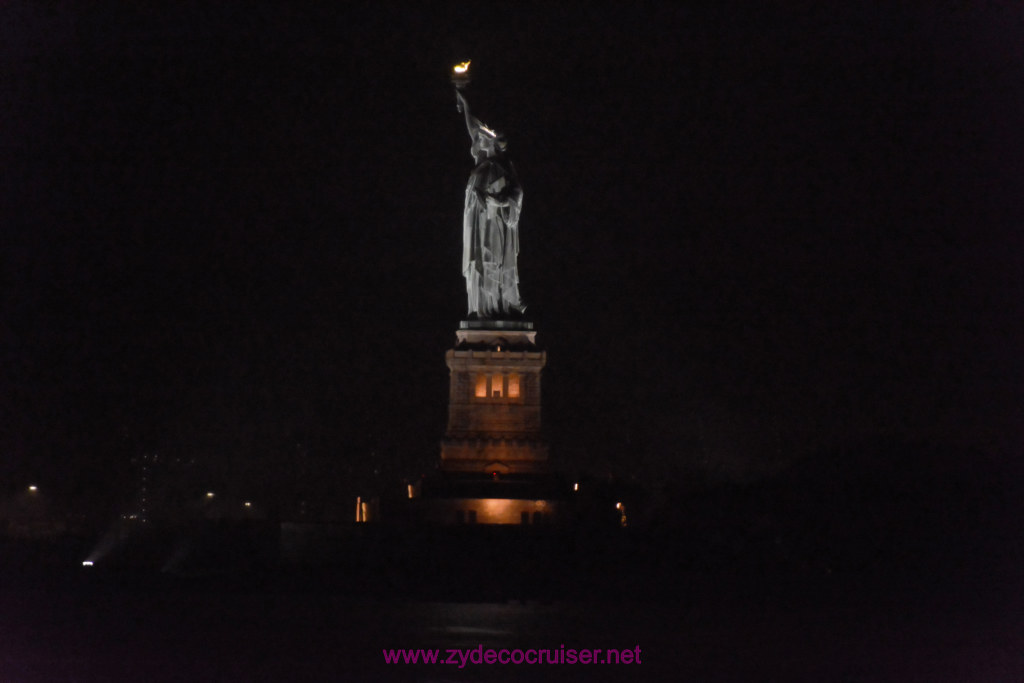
{"type": "Point", "coordinates": [494, 406]}
{"type": "Point", "coordinates": [493, 511]}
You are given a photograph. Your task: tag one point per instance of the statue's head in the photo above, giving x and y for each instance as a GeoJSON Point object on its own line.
{"type": "Point", "coordinates": [487, 143]}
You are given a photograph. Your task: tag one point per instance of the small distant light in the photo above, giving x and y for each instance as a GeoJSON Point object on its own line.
{"type": "Point", "coordinates": [248, 504]}
{"type": "Point", "coordinates": [33, 488]}
{"type": "Point", "coordinates": [618, 506]}
{"type": "Point", "coordinates": [87, 563]}
{"type": "Point", "coordinates": [576, 486]}
{"type": "Point", "coordinates": [209, 494]}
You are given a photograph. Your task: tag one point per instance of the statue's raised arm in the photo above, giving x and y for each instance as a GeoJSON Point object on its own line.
{"type": "Point", "coordinates": [463, 107]}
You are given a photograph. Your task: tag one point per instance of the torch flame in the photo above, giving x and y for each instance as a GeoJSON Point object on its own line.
{"type": "Point", "coordinates": [461, 68]}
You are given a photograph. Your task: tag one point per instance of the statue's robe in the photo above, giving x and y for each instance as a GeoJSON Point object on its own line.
{"type": "Point", "coordinates": [490, 239]}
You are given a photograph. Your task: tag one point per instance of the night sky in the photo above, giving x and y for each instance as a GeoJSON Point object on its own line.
{"type": "Point", "coordinates": [233, 233]}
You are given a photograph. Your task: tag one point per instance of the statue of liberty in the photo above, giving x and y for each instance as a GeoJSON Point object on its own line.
{"type": "Point", "coordinates": [490, 227]}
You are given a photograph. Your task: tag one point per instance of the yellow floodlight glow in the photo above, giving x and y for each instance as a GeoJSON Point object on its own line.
{"type": "Point", "coordinates": [461, 68]}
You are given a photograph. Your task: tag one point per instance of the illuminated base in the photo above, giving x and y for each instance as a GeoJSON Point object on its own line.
{"type": "Point", "coordinates": [485, 324]}
{"type": "Point", "coordinates": [496, 333]}
{"type": "Point", "coordinates": [494, 466]}
{"type": "Point", "coordinates": [503, 456]}
{"type": "Point", "coordinates": [455, 498]}
{"type": "Point", "coordinates": [494, 400]}
{"type": "Point", "coordinates": [492, 511]}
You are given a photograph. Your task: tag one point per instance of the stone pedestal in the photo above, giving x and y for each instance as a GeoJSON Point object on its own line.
{"type": "Point", "coordinates": [494, 404]}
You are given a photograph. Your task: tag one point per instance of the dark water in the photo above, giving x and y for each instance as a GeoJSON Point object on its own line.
{"type": "Point", "coordinates": [86, 626]}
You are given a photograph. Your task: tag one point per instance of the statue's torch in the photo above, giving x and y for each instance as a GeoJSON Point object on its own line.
{"type": "Point", "coordinates": [460, 75]}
